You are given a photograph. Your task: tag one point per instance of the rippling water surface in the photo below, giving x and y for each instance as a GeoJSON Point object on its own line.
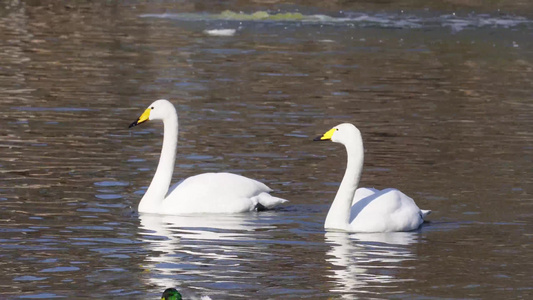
{"type": "Point", "coordinates": [442, 95]}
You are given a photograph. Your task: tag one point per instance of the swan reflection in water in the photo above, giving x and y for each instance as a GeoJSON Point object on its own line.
{"type": "Point", "coordinates": [198, 250]}
{"type": "Point", "coordinates": [366, 263]}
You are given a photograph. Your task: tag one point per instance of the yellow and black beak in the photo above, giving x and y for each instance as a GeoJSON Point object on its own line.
{"type": "Point", "coordinates": [326, 136]}
{"type": "Point", "coordinates": [143, 118]}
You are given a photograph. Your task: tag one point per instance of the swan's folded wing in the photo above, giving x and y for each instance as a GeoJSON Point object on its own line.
{"type": "Point", "coordinates": [174, 186]}
{"type": "Point", "coordinates": [221, 184]}
{"type": "Point", "coordinates": [363, 192]}
{"type": "Point", "coordinates": [215, 192]}
{"type": "Point", "coordinates": [385, 211]}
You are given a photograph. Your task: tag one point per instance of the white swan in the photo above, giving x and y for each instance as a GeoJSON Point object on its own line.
{"type": "Point", "coordinates": [366, 209]}
{"type": "Point", "coordinates": [203, 193]}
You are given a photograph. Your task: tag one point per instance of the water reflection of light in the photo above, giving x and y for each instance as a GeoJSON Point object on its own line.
{"type": "Point", "coordinates": [198, 248]}
{"type": "Point", "coordinates": [365, 263]}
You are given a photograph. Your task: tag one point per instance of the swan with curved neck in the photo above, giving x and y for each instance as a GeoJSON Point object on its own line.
{"type": "Point", "coordinates": [203, 193]}
{"type": "Point", "coordinates": [366, 209]}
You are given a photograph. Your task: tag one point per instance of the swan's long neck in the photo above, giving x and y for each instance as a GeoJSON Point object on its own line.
{"type": "Point", "coordinates": [339, 213]}
{"type": "Point", "coordinates": [158, 188]}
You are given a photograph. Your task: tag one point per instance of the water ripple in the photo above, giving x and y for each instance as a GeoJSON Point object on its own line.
{"type": "Point", "coordinates": [360, 19]}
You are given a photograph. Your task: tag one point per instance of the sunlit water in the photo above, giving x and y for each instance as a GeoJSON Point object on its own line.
{"type": "Point", "coordinates": [442, 95]}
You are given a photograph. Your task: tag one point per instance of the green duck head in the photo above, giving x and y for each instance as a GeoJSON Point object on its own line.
{"type": "Point", "coordinates": [171, 294]}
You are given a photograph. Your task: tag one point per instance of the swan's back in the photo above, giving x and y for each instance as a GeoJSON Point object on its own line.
{"type": "Point", "coordinates": [216, 192]}
{"type": "Point", "coordinates": [361, 193]}
{"type": "Point", "coordinates": [384, 211]}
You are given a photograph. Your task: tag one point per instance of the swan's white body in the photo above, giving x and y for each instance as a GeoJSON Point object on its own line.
{"type": "Point", "coordinates": [203, 193]}
{"type": "Point", "coordinates": [367, 209]}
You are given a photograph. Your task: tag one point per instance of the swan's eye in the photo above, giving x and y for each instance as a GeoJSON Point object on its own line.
{"type": "Point", "coordinates": [152, 107]}
{"type": "Point", "coordinates": [337, 129]}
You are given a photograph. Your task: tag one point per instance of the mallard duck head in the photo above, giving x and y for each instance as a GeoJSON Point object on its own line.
{"type": "Point", "coordinates": [171, 294]}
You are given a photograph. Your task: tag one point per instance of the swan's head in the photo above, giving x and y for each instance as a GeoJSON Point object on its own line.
{"type": "Point", "coordinates": [171, 294]}
{"type": "Point", "coordinates": [342, 133]}
{"type": "Point", "coordinates": [158, 110]}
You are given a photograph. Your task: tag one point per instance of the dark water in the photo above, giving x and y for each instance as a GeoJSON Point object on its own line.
{"type": "Point", "coordinates": [443, 95]}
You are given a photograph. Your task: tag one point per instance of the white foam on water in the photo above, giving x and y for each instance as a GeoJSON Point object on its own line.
{"type": "Point", "coordinates": [220, 32]}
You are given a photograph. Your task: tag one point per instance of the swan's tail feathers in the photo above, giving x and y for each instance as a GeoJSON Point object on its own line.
{"type": "Point", "coordinates": [267, 201]}
{"type": "Point", "coordinates": [424, 213]}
